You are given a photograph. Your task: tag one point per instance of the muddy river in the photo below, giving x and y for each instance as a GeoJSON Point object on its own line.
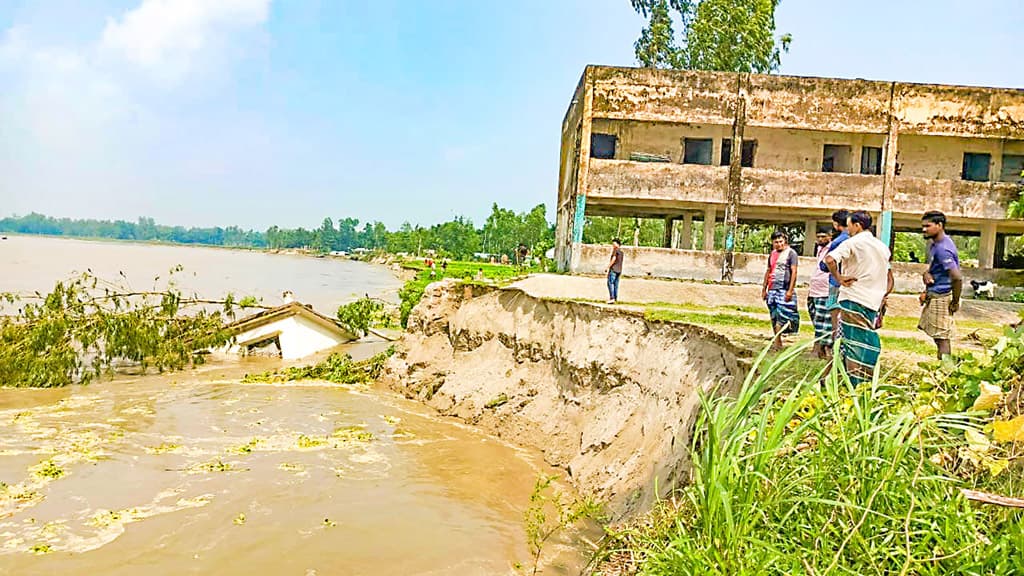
{"type": "Point", "coordinates": [197, 473]}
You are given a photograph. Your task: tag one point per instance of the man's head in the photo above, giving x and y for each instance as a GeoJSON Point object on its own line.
{"type": "Point", "coordinates": [824, 236]}
{"type": "Point", "coordinates": [839, 218]}
{"type": "Point", "coordinates": [616, 242]}
{"type": "Point", "coordinates": [933, 224]}
{"type": "Point", "coordinates": [779, 240]}
{"type": "Point", "coordinates": [857, 222]}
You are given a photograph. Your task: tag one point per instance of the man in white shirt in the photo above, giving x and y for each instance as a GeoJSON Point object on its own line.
{"type": "Point", "coordinates": [865, 284]}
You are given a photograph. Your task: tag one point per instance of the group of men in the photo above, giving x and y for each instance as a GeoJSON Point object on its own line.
{"type": "Point", "coordinates": [850, 287]}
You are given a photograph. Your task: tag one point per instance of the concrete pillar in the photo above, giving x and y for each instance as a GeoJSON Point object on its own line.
{"type": "Point", "coordinates": [987, 246]}
{"type": "Point", "coordinates": [669, 221]}
{"type": "Point", "coordinates": [889, 151]}
{"type": "Point", "coordinates": [810, 234]}
{"type": "Point", "coordinates": [686, 234]}
{"type": "Point", "coordinates": [709, 228]}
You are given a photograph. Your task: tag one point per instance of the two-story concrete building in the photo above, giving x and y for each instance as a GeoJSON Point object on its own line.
{"type": "Point", "coordinates": [658, 144]}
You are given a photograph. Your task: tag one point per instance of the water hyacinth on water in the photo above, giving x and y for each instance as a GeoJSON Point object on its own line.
{"type": "Point", "coordinates": [86, 326]}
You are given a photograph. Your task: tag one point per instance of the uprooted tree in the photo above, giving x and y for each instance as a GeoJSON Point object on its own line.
{"type": "Point", "coordinates": [87, 326]}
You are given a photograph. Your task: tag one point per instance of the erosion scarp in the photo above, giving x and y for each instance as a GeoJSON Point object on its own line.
{"type": "Point", "coordinates": [606, 395]}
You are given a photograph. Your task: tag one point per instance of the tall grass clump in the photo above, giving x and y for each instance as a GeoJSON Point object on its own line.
{"type": "Point", "coordinates": [813, 475]}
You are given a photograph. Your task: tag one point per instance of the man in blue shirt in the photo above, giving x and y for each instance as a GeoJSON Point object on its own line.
{"type": "Point", "coordinates": [839, 218]}
{"type": "Point", "coordinates": [943, 282]}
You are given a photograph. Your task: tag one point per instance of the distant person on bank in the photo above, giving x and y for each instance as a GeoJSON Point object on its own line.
{"type": "Point", "coordinates": [779, 288]}
{"type": "Point", "coordinates": [865, 283]}
{"type": "Point", "coordinates": [839, 218]}
{"type": "Point", "coordinates": [943, 283]}
{"type": "Point", "coordinates": [817, 297]}
{"type": "Point", "coordinates": [614, 271]}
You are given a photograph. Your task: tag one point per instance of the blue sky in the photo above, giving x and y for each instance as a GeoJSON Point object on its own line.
{"type": "Point", "coordinates": [261, 112]}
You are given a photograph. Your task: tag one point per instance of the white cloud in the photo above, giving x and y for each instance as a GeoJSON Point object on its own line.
{"type": "Point", "coordinates": [165, 36]}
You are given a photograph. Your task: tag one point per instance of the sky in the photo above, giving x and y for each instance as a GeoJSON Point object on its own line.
{"type": "Point", "coordinates": [282, 112]}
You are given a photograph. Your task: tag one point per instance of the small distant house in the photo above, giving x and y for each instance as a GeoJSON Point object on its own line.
{"type": "Point", "coordinates": [296, 329]}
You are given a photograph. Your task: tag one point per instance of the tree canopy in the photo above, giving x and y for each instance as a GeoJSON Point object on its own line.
{"type": "Point", "coordinates": [724, 35]}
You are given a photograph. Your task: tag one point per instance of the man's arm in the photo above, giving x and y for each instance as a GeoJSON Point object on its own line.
{"type": "Point", "coordinates": [956, 278]}
{"type": "Point", "coordinates": [833, 268]}
{"type": "Point", "coordinates": [794, 261]}
{"type": "Point", "coordinates": [767, 279]}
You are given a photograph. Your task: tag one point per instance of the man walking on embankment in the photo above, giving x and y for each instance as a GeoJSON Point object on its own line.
{"type": "Point", "coordinates": [865, 284]}
{"type": "Point", "coordinates": [943, 283]}
{"type": "Point", "coordinates": [614, 271]}
{"type": "Point", "coordinates": [779, 288]}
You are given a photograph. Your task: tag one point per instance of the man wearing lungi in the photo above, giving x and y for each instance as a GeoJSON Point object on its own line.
{"type": "Point", "coordinates": [778, 288]}
{"type": "Point", "coordinates": [942, 282]}
{"type": "Point", "coordinates": [865, 284]}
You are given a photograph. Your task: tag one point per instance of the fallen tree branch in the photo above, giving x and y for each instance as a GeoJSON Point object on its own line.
{"type": "Point", "coordinates": [989, 498]}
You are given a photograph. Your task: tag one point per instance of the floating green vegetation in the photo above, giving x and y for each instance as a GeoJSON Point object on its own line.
{"type": "Point", "coordinates": [105, 518]}
{"type": "Point", "coordinates": [328, 523]}
{"type": "Point", "coordinates": [239, 520]}
{"type": "Point", "coordinates": [338, 368]}
{"type": "Point", "coordinates": [307, 442]}
{"type": "Point", "coordinates": [291, 467]}
{"type": "Point", "coordinates": [40, 549]}
{"type": "Point", "coordinates": [352, 434]}
{"type": "Point", "coordinates": [163, 448]}
{"type": "Point", "coordinates": [47, 469]}
{"type": "Point", "coordinates": [500, 400]}
{"type": "Point", "coordinates": [18, 493]}
{"type": "Point", "coordinates": [246, 448]}
{"type": "Point", "coordinates": [217, 465]}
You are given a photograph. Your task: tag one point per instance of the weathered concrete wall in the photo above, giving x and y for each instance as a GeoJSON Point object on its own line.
{"type": "Point", "coordinates": [654, 95]}
{"type": "Point", "coordinates": [701, 265]}
{"type": "Point", "coordinates": [828, 104]}
{"type": "Point", "coordinates": [660, 137]}
{"type": "Point", "coordinates": [941, 157]}
{"type": "Point", "coordinates": [959, 110]}
{"type": "Point", "coordinates": [787, 149]}
{"type": "Point", "coordinates": [612, 180]}
{"type": "Point", "coordinates": [571, 165]}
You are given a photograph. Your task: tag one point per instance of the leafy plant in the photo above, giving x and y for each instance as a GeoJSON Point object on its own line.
{"type": "Point", "coordinates": [337, 368]}
{"type": "Point", "coordinates": [550, 513]}
{"type": "Point", "coordinates": [86, 325]}
{"type": "Point", "coordinates": [363, 314]}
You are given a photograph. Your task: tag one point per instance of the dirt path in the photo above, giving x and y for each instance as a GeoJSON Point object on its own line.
{"type": "Point", "coordinates": [711, 295]}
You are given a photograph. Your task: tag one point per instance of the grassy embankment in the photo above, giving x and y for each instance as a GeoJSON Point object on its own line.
{"type": "Point", "coordinates": [411, 293]}
{"type": "Point", "coordinates": [803, 473]}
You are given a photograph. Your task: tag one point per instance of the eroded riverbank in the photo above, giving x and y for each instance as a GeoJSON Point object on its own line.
{"type": "Point", "coordinates": [606, 395]}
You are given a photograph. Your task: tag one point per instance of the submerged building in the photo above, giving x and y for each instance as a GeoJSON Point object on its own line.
{"type": "Point", "coordinates": [659, 144]}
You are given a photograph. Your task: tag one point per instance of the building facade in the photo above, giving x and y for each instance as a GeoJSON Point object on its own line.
{"type": "Point", "coordinates": [659, 144]}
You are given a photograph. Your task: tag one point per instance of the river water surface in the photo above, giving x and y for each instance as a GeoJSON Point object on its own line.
{"type": "Point", "coordinates": [196, 473]}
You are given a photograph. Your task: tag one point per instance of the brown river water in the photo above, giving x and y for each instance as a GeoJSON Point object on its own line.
{"type": "Point", "coordinates": [196, 473]}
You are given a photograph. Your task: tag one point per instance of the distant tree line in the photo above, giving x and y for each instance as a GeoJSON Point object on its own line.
{"type": "Point", "coordinates": [458, 238]}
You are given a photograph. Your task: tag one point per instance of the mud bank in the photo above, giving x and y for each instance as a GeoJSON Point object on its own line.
{"type": "Point", "coordinates": [605, 394]}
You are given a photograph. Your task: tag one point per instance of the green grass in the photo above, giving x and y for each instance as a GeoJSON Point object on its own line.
{"type": "Point", "coordinates": [793, 476]}
{"type": "Point", "coordinates": [412, 291]}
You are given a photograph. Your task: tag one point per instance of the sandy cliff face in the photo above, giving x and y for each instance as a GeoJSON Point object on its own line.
{"type": "Point", "coordinates": [605, 394]}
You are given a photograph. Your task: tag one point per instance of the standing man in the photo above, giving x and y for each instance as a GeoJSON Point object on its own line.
{"type": "Point", "coordinates": [942, 283]}
{"type": "Point", "coordinates": [779, 288]}
{"type": "Point", "coordinates": [839, 218]}
{"type": "Point", "coordinates": [865, 284]}
{"type": "Point", "coordinates": [614, 271]}
{"type": "Point", "coordinates": [817, 298]}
